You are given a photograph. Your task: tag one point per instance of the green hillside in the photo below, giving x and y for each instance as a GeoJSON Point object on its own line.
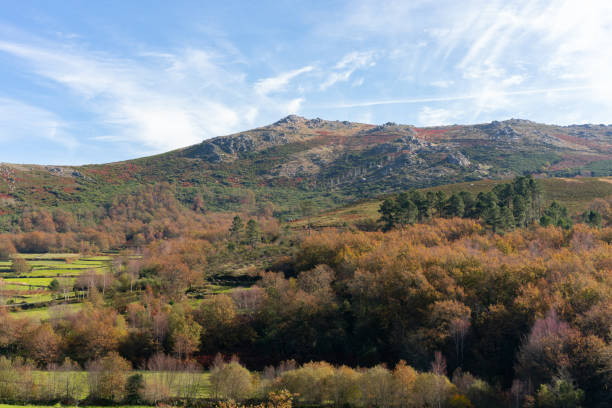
{"type": "Point", "coordinates": [329, 162]}
{"type": "Point", "coordinates": [574, 193]}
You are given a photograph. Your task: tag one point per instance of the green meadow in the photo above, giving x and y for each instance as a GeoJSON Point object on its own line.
{"type": "Point", "coordinates": [28, 294]}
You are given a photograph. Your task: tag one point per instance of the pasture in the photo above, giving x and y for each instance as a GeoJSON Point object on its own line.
{"type": "Point", "coordinates": [30, 294]}
{"type": "Point", "coordinates": [173, 384]}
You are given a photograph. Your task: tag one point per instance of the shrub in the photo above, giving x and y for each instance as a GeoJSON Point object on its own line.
{"type": "Point", "coordinates": [134, 389]}
{"type": "Point", "coordinates": [231, 381]}
{"type": "Point", "coordinates": [20, 266]}
{"type": "Point", "coordinates": [310, 382]}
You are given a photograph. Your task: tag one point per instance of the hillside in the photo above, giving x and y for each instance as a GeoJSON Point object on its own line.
{"type": "Point", "coordinates": [331, 162]}
{"type": "Point", "coordinates": [573, 193]}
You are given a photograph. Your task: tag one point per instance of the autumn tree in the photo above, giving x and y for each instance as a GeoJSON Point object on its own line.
{"type": "Point", "coordinates": [184, 332]}
{"type": "Point", "coordinates": [107, 377]}
{"type": "Point", "coordinates": [541, 356]}
{"type": "Point", "coordinates": [43, 345]}
{"type": "Point", "coordinates": [7, 249]}
{"type": "Point", "coordinates": [20, 266]}
{"type": "Point", "coordinates": [93, 332]}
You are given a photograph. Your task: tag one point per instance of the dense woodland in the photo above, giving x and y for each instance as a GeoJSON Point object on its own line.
{"type": "Point", "coordinates": [459, 301]}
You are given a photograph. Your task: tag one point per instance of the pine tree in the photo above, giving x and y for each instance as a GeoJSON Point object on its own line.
{"type": "Point", "coordinates": [519, 210]}
{"type": "Point", "coordinates": [491, 216]}
{"type": "Point", "coordinates": [424, 203]}
{"type": "Point", "coordinates": [440, 202]}
{"type": "Point", "coordinates": [387, 214]}
{"type": "Point", "coordinates": [506, 221]}
{"type": "Point", "coordinates": [454, 206]}
{"type": "Point", "coordinates": [236, 228]}
{"type": "Point", "coordinates": [469, 204]}
{"type": "Point", "coordinates": [253, 233]}
{"type": "Point", "coordinates": [406, 211]}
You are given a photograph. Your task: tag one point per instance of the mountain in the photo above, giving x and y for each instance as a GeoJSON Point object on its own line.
{"type": "Point", "coordinates": [330, 162]}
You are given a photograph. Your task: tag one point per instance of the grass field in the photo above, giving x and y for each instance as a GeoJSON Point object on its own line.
{"type": "Point", "coordinates": [574, 193]}
{"type": "Point", "coordinates": [32, 288]}
{"type": "Point", "coordinates": [67, 406]}
{"type": "Point", "coordinates": [46, 313]}
{"type": "Point", "coordinates": [176, 381]}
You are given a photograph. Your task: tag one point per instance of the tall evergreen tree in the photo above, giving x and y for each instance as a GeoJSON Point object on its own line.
{"type": "Point", "coordinates": [506, 221]}
{"type": "Point", "coordinates": [387, 213]}
{"type": "Point", "coordinates": [253, 233]}
{"type": "Point", "coordinates": [440, 202]}
{"type": "Point", "coordinates": [454, 206]}
{"type": "Point", "coordinates": [236, 228]}
{"type": "Point", "coordinates": [469, 204]}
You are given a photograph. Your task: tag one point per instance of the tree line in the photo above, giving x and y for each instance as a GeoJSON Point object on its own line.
{"type": "Point", "coordinates": [111, 380]}
{"type": "Point", "coordinates": [507, 206]}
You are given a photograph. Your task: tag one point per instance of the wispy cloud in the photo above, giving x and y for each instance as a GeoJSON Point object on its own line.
{"type": "Point", "coordinates": [347, 66]}
{"type": "Point", "coordinates": [452, 61]}
{"type": "Point", "coordinates": [452, 98]}
{"type": "Point", "coordinates": [158, 101]}
{"type": "Point", "coordinates": [280, 82]}
{"type": "Point", "coordinates": [140, 102]}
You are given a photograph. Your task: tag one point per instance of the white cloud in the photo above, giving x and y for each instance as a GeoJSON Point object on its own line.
{"type": "Point", "coordinates": [279, 83]}
{"type": "Point", "coordinates": [488, 48]}
{"type": "Point", "coordinates": [158, 102]}
{"type": "Point", "coordinates": [347, 66]}
{"type": "Point", "coordinates": [294, 105]}
{"type": "Point", "coordinates": [513, 80]}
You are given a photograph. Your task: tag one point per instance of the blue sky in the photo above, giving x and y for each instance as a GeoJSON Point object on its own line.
{"type": "Point", "coordinates": [99, 81]}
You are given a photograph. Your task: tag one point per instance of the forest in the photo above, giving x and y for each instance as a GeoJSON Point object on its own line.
{"type": "Point", "coordinates": [461, 300]}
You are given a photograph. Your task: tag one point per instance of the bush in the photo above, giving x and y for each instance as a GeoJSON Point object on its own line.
{"type": "Point", "coordinates": [134, 389]}
{"type": "Point", "coordinates": [310, 382]}
{"type": "Point", "coordinates": [20, 266]}
{"type": "Point", "coordinates": [231, 381]}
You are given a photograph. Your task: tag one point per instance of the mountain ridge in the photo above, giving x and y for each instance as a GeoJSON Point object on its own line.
{"type": "Point", "coordinates": [331, 162]}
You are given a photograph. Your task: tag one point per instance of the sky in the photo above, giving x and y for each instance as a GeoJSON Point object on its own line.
{"type": "Point", "coordinates": [100, 81]}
